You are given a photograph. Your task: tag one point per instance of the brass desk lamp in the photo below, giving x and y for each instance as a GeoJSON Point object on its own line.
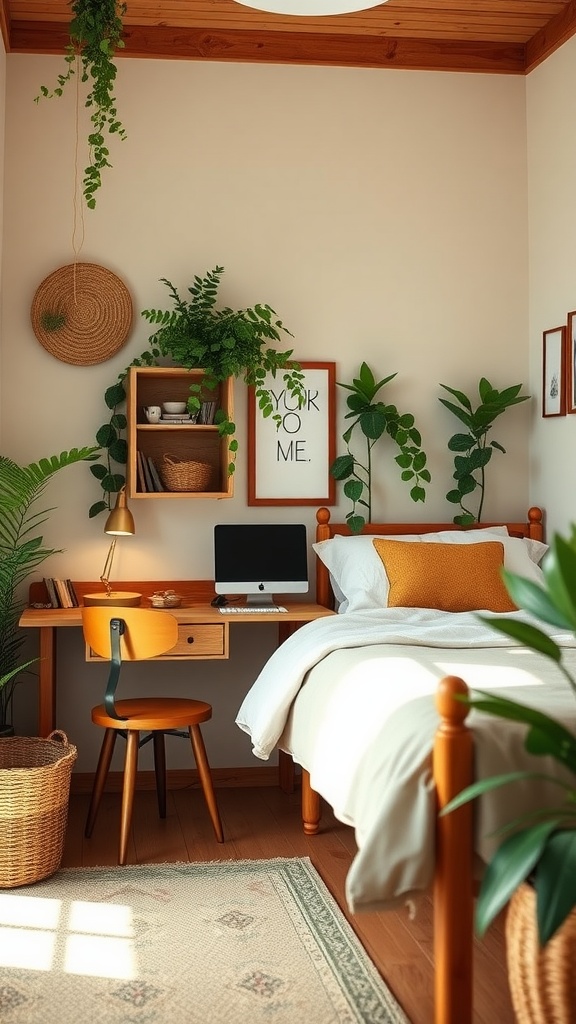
{"type": "Point", "coordinates": [120, 523]}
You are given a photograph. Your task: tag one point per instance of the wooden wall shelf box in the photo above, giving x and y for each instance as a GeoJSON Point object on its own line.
{"type": "Point", "coordinates": [195, 443]}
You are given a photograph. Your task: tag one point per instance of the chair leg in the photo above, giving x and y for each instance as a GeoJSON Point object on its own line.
{"type": "Point", "coordinates": [206, 779]}
{"type": "Point", "coordinates": [160, 770]}
{"type": "Point", "coordinates": [130, 766]}
{"type": "Point", "coordinates": [106, 751]}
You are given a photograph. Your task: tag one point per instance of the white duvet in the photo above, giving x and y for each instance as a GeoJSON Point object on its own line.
{"type": "Point", "coordinates": [351, 697]}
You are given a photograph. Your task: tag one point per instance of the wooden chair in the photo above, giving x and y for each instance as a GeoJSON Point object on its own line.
{"type": "Point", "coordinates": [134, 634]}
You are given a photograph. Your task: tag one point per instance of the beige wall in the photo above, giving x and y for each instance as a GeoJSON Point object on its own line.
{"type": "Point", "coordinates": [551, 164]}
{"type": "Point", "coordinates": [2, 119]}
{"type": "Point", "coordinates": [382, 214]}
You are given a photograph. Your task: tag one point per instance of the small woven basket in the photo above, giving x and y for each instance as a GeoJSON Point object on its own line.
{"type": "Point", "coordinates": [34, 793]}
{"type": "Point", "coordinates": [542, 980]}
{"type": "Point", "coordinates": [181, 475]}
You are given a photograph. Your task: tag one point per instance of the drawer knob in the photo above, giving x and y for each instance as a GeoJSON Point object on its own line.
{"type": "Point", "coordinates": [190, 639]}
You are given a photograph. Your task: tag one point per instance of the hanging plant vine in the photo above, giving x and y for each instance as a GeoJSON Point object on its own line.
{"type": "Point", "coordinates": [95, 33]}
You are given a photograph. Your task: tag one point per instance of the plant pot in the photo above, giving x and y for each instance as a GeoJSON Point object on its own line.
{"type": "Point", "coordinates": [542, 980]}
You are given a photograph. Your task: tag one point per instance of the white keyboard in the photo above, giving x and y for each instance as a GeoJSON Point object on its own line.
{"type": "Point", "coordinates": [234, 609]}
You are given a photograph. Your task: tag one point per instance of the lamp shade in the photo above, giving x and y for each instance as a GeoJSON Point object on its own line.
{"type": "Point", "coordinates": [311, 8]}
{"type": "Point", "coordinates": [120, 522]}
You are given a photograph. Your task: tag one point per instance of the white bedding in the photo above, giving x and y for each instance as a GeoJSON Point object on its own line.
{"type": "Point", "coordinates": [373, 768]}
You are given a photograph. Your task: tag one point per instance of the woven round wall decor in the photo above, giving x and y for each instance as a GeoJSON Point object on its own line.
{"type": "Point", "coordinates": [82, 314]}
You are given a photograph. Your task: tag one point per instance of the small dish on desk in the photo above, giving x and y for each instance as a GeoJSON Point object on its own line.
{"type": "Point", "coordinates": [165, 599]}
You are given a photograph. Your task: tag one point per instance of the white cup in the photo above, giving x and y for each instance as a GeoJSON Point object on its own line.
{"type": "Point", "coordinates": [152, 413]}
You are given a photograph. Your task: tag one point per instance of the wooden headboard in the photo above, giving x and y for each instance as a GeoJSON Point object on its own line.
{"type": "Point", "coordinates": [532, 528]}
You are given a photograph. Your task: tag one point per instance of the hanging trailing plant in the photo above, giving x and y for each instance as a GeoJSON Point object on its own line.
{"type": "Point", "coordinates": [95, 34]}
{"type": "Point", "coordinates": [196, 335]}
{"type": "Point", "coordinates": [472, 450]}
{"type": "Point", "coordinates": [375, 419]}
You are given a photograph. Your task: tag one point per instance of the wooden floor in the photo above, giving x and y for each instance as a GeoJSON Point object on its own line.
{"type": "Point", "coordinates": [264, 822]}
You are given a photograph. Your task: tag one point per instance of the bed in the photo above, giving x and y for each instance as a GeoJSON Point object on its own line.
{"type": "Point", "coordinates": [365, 701]}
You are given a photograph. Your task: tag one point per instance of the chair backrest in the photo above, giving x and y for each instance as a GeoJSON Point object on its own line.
{"type": "Point", "coordinates": [147, 632]}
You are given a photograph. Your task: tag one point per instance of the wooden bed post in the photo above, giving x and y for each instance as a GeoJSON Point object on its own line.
{"type": "Point", "coordinates": [453, 881]}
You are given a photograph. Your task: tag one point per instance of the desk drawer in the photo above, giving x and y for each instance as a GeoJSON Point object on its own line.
{"type": "Point", "coordinates": [200, 641]}
{"type": "Point", "coordinates": [204, 641]}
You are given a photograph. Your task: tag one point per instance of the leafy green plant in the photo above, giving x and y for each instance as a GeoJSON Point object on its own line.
{"type": "Point", "coordinates": [374, 419]}
{"type": "Point", "coordinates": [95, 33]}
{"type": "Point", "coordinates": [542, 846]}
{"type": "Point", "coordinates": [197, 335]}
{"type": "Point", "coordinates": [473, 450]}
{"type": "Point", "coordinates": [21, 551]}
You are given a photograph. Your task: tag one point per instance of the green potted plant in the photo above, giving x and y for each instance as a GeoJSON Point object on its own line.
{"type": "Point", "coordinates": [472, 449]}
{"type": "Point", "coordinates": [374, 419]}
{"type": "Point", "coordinates": [543, 850]}
{"type": "Point", "coordinates": [21, 552]}
{"type": "Point", "coordinates": [95, 33]}
{"type": "Point", "coordinates": [195, 334]}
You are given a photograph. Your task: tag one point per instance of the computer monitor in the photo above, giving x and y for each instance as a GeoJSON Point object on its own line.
{"type": "Point", "coordinates": [259, 560]}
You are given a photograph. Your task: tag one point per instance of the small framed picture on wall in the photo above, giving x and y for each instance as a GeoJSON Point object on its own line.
{"type": "Point", "coordinates": [553, 377]}
{"type": "Point", "coordinates": [571, 363]}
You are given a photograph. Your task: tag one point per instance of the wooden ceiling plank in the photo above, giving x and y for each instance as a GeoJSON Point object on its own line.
{"type": "Point", "coordinates": [294, 48]}
{"type": "Point", "coordinates": [558, 30]}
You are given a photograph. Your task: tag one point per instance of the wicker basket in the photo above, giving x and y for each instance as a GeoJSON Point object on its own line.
{"type": "Point", "coordinates": [542, 980]}
{"type": "Point", "coordinates": [34, 792]}
{"type": "Point", "coordinates": [182, 475]}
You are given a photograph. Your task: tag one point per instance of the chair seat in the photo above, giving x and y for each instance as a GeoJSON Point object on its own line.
{"type": "Point", "coordinates": [154, 713]}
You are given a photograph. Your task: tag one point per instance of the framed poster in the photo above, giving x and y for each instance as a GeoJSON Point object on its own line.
{"type": "Point", "coordinates": [553, 381]}
{"type": "Point", "coordinates": [571, 363]}
{"type": "Point", "coordinates": [290, 464]}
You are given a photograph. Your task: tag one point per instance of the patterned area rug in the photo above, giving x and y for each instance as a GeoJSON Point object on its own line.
{"type": "Point", "coordinates": [231, 942]}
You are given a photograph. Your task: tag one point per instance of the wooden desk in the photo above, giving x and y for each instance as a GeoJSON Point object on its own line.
{"type": "Point", "coordinates": [203, 630]}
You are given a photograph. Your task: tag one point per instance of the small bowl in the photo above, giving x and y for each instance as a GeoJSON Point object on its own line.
{"type": "Point", "coordinates": [174, 407]}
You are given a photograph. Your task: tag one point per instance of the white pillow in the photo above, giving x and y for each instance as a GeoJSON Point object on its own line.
{"type": "Point", "coordinates": [360, 582]}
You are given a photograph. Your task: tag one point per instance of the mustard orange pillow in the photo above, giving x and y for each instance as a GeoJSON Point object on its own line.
{"type": "Point", "coordinates": [450, 577]}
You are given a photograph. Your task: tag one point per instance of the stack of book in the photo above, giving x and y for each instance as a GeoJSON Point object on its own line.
{"type": "Point", "coordinates": [148, 476]}
{"type": "Point", "coordinates": [61, 593]}
{"type": "Point", "coordinates": [207, 412]}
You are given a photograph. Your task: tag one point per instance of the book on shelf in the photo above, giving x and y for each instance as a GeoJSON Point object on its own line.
{"type": "Point", "coordinates": [207, 412]}
{"type": "Point", "coordinates": [52, 595]}
{"type": "Point", "coordinates": [140, 469]}
{"type": "Point", "coordinates": [62, 591]}
{"type": "Point", "coordinates": [147, 474]}
{"type": "Point", "coordinates": [158, 485]}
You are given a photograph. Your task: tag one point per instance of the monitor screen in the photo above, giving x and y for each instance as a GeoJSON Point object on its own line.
{"type": "Point", "coordinates": [259, 560]}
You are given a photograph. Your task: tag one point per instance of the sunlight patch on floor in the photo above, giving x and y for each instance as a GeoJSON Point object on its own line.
{"type": "Point", "coordinates": [92, 939]}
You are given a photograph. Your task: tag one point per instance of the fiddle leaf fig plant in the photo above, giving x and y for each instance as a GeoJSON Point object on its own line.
{"type": "Point", "coordinates": [374, 419]}
{"type": "Point", "coordinates": [95, 33]}
{"type": "Point", "coordinates": [223, 342]}
{"type": "Point", "coordinates": [472, 450]}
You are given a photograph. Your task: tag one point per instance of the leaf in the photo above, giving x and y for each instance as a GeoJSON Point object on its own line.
{"type": "Point", "coordinates": [342, 467]}
{"type": "Point", "coordinates": [559, 568]}
{"type": "Point", "coordinates": [460, 414]}
{"type": "Point", "coordinates": [527, 634]}
{"type": "Point", "coordinates": [535, 599]}
{"type": "Point", "coordinates": [353, 489]}
{"type": "Point", "coordinates": [462, 398]}
{"type": "Point", "coordinates": [555, 883]}
{"type": "Point", "coordinates": [510, 866]}
{"type": "Point", "coordinates": [461, 442]}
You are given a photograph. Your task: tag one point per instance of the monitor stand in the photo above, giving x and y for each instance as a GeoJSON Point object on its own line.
{"type": "Point", "coordinates": [260, 601]}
